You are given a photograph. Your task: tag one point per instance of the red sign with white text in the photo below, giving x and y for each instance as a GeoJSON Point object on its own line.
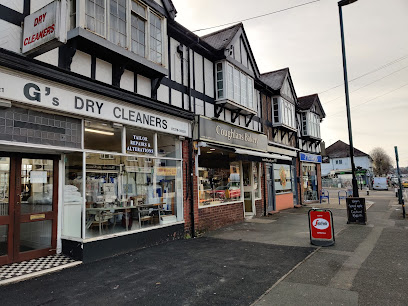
{"type": "Point", "coordinates": [321, 225]}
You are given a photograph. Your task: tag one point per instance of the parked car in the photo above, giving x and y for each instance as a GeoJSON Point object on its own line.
{"type": "Point", "coordinates": [380, 183]}
{"type": "Point", "coordinates": [405, 184]}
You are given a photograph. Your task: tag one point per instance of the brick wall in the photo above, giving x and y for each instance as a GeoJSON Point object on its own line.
{"type": "Point", "coordinates": [214, 217]}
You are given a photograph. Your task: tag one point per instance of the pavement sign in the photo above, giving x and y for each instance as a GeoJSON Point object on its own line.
{"type": "Point", "coordinates": [356, 211]}
{"type": "Point", "coordinates": [321, 227]}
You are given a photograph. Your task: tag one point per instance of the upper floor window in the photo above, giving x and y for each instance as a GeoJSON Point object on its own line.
{"type": "Point", "coordinates": [95, 16]}
{"type": "Point", "coordinates": [234, 85]}
{"type": "Point", "coordinates": [142, 33]}
{"type": "Point", "coordinates": [117, 22]}
{"type": "Point", "coordinates": [311, 124]}
{"type": "Point", "coordinates": [283, 113]}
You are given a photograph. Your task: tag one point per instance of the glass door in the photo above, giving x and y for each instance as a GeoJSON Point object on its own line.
{"type": "Point", "coordinates": [248, 187]}
{"type": "Point", "coordinates": [28, 207]}
{"type": "Point", "coordinates": [6, 213]}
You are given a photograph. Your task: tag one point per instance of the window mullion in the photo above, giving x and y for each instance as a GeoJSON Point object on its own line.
{"type": "Point", "coordinates": [147, 34]}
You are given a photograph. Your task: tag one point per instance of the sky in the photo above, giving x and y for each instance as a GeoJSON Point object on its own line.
{"type": "Point", "coordinates": [307, 40]}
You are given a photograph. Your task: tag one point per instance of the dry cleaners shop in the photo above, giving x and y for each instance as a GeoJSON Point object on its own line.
{"type": "Point", "coordinates": [85, 174]}
{"type": "Point", "coordinates": [229, 160]}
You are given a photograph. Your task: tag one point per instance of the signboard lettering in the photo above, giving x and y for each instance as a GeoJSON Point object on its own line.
{"type": "Point", "coordinates": [321, 227]}
{"type": "Point", "coordinates": [24, 89]}
{"type": "Point", "coordinates": [218, 132]}
{"type": "Point", "coordinates": [310, 158]}
{"type": "Point", "coordinates": [356, 210]}
{"type": "Point", "coordinates": [45, 29]}
{"type": "Point", "coordinates": [140, 144]}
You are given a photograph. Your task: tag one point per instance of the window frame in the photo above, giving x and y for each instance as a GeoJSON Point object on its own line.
{"type": "Point", "coordinates": [235, 84]}
{"type": "Point", "coordinates": [82, 11]}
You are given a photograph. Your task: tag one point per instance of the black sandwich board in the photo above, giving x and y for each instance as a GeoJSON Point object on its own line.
{"type": "Point", "coordinates": [356, 211]}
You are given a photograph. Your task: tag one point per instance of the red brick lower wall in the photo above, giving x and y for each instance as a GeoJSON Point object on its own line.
{"type": "Point", "coordinates": [259, 208]}
{"type": "Point", "coordinates": [215, 217]}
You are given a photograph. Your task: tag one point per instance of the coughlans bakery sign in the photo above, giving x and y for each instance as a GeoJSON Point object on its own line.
{"type": "Point", "coordinates": [45, 29]}
{"type": "Point", "coordinates": [222, 133]}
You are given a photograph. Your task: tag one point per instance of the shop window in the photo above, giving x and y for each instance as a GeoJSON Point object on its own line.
{"type": "Point", "coordinates": [219, 179]}
{"type": "Point", "coordinates": [168, 146]}
{"type": "Point", "coordinates": [129, 193]}
{"type": "Point", "coordinates": [140, 142]}
{"type": "Point", "coordinates": [256, 172]}
{"type": "Point", "coordinates": [156, 48]}
{"type": "Point", "coordinates": [73, 195]}
{"type": "Point", "coordinates": [309, 182]}
{"type": "Point", "coordinates": [101, 136]}
{"type": "Point", "coordinates": [283, 178]}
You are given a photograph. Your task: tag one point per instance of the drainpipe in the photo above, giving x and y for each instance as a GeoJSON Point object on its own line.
{"type": "Point", "coordinates": [190, 151]}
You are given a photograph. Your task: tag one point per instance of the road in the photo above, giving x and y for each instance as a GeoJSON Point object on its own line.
{"type": "Point", "coordinates": [264, 261]}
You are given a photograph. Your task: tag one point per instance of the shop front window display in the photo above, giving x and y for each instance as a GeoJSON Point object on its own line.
{"type": "Point", "coordinates": [125, 193]}
{"type": "Point", "coordinates": [310, 182]}
{"type": "Point", "coordinates": [219, 185]}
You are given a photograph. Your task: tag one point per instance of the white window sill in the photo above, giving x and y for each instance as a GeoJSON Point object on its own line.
{"type": "Point", "coordinates": [220, 204]}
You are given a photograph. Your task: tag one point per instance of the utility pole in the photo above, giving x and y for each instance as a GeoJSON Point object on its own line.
{"type": "Point", "coordinates": [400, 199]}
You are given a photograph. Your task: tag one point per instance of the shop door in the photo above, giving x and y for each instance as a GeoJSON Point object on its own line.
{"type": "Point", "coordinates": [269, 183]}
{"type": "Point", "coordinates": [248, 187]}
{"type": "Point", "coordinates": [28, 207]}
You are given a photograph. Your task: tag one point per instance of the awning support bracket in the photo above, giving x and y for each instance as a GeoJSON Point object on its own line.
{"type": "Point", "coordinates": [250, 117]}
{"type": "Point", "coordinates": [235, 115]}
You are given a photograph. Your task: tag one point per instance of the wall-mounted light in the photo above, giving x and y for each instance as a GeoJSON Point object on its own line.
{"type": "Point", "coordinates": [99, 132]}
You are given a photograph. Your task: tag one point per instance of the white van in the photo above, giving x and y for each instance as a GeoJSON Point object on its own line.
{"type": "Point", "coordinates": [380, 183]}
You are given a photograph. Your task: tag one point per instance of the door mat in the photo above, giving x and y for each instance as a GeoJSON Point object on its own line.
{"type": "Point", "coordinates": [35, 267]}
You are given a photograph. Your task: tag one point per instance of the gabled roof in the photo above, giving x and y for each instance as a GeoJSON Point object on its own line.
{"type": "Point", "coordinates": [275, 79]}
{"type": "Point", "coordinates": [340, 149]}
{"type": "Point", "coordinates": [221, 39]}
{"type": "Point", "coordinates": [171, 9]}
{"type": "Point", "coordinates": [306, 102]}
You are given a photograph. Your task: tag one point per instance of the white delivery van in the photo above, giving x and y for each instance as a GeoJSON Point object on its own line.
{"type": "Point", "coordinates": [380, 183]}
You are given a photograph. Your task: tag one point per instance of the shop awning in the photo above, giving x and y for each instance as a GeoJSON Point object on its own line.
{"type": "Point", "coordinates": [260, 156]}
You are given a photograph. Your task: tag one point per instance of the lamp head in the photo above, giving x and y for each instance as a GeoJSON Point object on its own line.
{"type": "Point", "coordinates": [345, 2]}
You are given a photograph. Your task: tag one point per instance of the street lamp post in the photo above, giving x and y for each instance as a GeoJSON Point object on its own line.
{"type": "Point", "coordinates": [353, 167]}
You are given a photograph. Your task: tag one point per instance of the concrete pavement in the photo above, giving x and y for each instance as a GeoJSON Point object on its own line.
{"type": "Point", "coordinates": [263, 261]}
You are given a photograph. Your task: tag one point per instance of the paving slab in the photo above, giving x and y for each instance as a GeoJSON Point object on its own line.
{"type": "Point", "coordinates": [286, 293]}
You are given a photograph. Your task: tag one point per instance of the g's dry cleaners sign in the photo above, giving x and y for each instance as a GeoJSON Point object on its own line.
{"type": "Point", "coordinates": [28, 90]}
{"type": "Point", "coordinates": [45, 29]}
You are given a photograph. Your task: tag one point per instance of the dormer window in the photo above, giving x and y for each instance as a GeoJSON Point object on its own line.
{"type": "Point", "coordinates": [311, 125]}
{"type": "Point", "coordinates": [234, 85]}
{"type": "Point", "coordinates": [142, 34]}
{"type": "Point", "coordinates": [283, 113]}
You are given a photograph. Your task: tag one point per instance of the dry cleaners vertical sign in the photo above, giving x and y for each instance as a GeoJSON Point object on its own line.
{"type": "Point", "coordinates": [45, 29]}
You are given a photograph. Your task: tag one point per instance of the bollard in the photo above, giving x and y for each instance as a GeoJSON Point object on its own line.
{"type": "Point", "coordinates": [368, 190]}
{"type": "Point", "coordinates": [396, 192]}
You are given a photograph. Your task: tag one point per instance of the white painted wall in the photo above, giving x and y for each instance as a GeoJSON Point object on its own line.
{"type": "Point", "coordinates": [10, 36]}
{"type": "Point", "coordinates": [163, 94]}
{"type": "Point", "coordinates": [50, 57]}
{"type": "Point", "coordinates": [209, 78]}
{"type": "Point", "coordinates": [103, 71]}
{"type": "Point", "coordinates": [38, 4]}
{"type": "Point", "coordinates": [144, 86]}
{"type": "Point", "coordinates": [81, 64]}
{"type": "Point", "coordinates": [198, 69]}
{"type": "Point", "coordinates": [199, 107]}
{"type": "Point", "coordinates": [176, 98]}
{"type": "Point", "coordinates": [209, 110]}
{"type": "Point", "coordinates": [16, 5]}
{"type": "Point", "coordinates": [127, 81]}
{"type": "Point", "coordinates": [360, 161]}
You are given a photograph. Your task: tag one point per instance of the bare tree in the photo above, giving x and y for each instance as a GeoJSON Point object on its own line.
{"type": "Point", "coordinates": [381, 161]}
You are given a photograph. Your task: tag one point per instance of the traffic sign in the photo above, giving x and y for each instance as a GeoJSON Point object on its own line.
{"type": "Point", "coordinates": [321, 227]}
